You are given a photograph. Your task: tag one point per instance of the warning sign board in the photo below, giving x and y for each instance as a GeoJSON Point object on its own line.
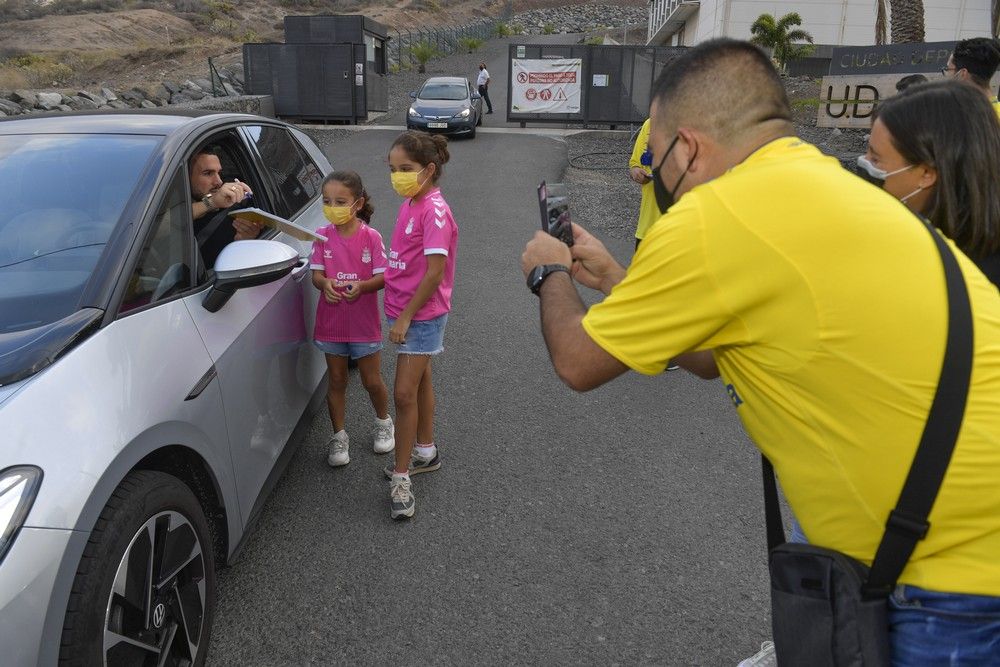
{"type": "Point", "coordinates": [546, 86]}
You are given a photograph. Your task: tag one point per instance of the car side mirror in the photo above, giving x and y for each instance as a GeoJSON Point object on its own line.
{"type": "Point", "coordinates": [413, 95]}
{"type": "Point", "coordinates": [247, 264]}
{"type": "Point", "coordinates": [475, 96]}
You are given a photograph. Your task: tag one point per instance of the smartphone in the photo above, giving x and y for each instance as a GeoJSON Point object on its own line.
{"type": "Point", "coordinates": [553, 204]}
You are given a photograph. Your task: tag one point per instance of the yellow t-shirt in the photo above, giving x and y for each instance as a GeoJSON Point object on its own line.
{"type": "Point", "coordinates": [823, 300]}
{"type": "Point", "coordinates": [996, 106]}
{"type": "Point", "coordinates": [648, 212]}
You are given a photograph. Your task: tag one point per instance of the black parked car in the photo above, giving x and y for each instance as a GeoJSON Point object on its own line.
{"type": "Point", "coordinates": [446, 104]}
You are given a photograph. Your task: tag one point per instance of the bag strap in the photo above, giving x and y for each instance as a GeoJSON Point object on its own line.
{"type": "Point", "coordinates": [907, 523]}
{"type": "Point", "coordinates": [772, 511]}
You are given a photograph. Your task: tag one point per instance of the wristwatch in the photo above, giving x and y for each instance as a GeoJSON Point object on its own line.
{"type": "Point", "coordinates": [538, 275]}
{"type": "Point", "coordinates": [207, 201]}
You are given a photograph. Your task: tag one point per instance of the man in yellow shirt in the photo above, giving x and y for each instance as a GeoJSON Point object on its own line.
{"type": "Point", "coordinates": [639, 171]}
{"type": "Point", "coordinates": [820, 300]}
{"type": "Point", "coordinates": [976, 60]}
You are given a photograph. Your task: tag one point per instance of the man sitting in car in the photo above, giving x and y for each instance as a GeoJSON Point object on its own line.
{"type": "Point", "coordinates": [211, 200]}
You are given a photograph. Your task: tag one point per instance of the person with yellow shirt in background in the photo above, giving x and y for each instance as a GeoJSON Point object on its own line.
{"type": "Point", "coordinates": [640, 170]}
{"type": "Point", "coordinates": [820, 301]}
{"type": "Point", "coordinates": [976, 60]}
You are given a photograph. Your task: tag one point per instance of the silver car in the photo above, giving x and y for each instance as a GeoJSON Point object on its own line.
{"type": "Point", "coordinates": [149, 395]}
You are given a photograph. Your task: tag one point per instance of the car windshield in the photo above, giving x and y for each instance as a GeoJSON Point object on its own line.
{"type": "Point", "coordinates": [60, 199]}
{"type": "Point", "coordinates": [443, 91]}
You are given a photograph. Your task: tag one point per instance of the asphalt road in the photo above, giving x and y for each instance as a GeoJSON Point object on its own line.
{"type": "Point", "coordinates": [622, 526]}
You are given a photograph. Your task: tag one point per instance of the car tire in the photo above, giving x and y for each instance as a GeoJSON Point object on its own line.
{"type": "Point", "coordinates": [479, 120]}
{"type": "Point", "coordinates": [152, 522]}
{"type": "Point", "coordinates": [472, 134]}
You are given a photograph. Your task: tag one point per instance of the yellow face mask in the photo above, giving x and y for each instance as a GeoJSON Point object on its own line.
{"type": "Point", "coordinates": [339, 215]}
{"type": "Point", "coordinates": [406, 183]}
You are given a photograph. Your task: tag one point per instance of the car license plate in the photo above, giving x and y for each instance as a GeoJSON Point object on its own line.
{"type": "Point", "coordinates": [438, 126]}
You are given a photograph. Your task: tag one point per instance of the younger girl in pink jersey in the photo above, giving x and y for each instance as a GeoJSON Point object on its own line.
{"type": "Point", "coordinates": [418, 285]}
{"type": "Point", "coordinates": [348, 269]}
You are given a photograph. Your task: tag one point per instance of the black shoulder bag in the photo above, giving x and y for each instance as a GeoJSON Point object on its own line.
{"type": "Point", "coordinates": [828, 609]}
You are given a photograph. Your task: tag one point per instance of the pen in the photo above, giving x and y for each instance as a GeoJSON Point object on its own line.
{"type": "Point", "coordinates": [246, 194]}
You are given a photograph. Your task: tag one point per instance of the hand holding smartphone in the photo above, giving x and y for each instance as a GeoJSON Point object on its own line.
{"type": "Point", "coordinates": [553, 203]}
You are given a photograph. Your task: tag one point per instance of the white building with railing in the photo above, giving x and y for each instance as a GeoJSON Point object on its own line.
{"type": "Point", "coordinates": [839, 22]}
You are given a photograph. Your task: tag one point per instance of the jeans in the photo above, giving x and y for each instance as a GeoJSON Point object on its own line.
{"type": "Point", "coordinates": [927, 629]}
{"type": "Point", "coordinates": [423, 336]}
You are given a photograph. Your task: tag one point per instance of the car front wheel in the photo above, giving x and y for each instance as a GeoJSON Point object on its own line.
{"type": "Point", "coordinates": [144, 592]}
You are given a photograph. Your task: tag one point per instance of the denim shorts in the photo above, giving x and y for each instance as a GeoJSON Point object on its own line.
{"type": "Point", "coordinates": [423, 336]}
{"type": "Point", "coordinates": [352, 350]}
{"type": "Point", "coordinates": [931, 628]}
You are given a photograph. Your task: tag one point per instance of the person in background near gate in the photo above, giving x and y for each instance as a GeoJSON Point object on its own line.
{"type": "Point", "coordinates": [910, 80]}
{"type": "Point", "coordinates": [821, 302]}
{"type": "Point", "coordinates": [348, 269]}
{"type": "Point", "coordinates": [947, 171]}
{"type": "Point", "coordinates": [975, 60]}
{"type": "Point", "coordinates": [211, 198]}
{"type": "Point", "coordinates": [418, 286]}
{"type": "Point", "coordinates": [483, 84]}
{"type": "Point", "coordinates": [639, 168]}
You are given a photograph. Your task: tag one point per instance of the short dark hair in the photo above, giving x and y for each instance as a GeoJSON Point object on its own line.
{"type": "Point", "coordinates": [910, 80]}
{"type": "Point", "coordinates": [202, 150]}
{"type": "Point", "coordinates": [724, 86]}
{"type": "Point", "coordinates": [951, 126]}
{"type": "Point", "coordinates": [979, 56]}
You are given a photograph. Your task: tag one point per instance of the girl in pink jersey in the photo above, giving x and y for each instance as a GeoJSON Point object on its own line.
{"type": "Point", "coordinates": [418, 285]}
{"type": "Point", "coordinates": [348, 269]}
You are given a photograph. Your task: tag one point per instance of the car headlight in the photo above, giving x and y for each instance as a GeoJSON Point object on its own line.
{"type": "Point", "coordinates": [413, 112]}
{"type": "Point", "coordinates": [464, 113]}
{"type": "Point", "coordinates": [18, 488]}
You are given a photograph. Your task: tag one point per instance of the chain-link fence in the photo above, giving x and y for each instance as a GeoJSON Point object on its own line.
{"type": "Point", "coordinates": [410, 48]}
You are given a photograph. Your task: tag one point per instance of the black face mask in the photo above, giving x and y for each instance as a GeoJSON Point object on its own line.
{"type": "Point", "coordinates": [664, 197]}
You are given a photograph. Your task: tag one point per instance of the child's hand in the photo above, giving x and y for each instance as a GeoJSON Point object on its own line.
{"type": "Point", "coordinates": [397, 334]}
{"type": "Point", "coordinates": [352, 290]}
{"type": "Point", "coordinates": [330, 292]}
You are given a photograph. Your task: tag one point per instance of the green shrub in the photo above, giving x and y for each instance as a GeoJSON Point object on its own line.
{"type": "Point", "coordinates": [548, 29]}
{"type": "Point", "coordinates": [470, 44]}
{"type": "Point", "coordinates": [424, 51]}
{"type": "Point", "coordinates": [517, 29]}
{"type": "Point", "coordinates": [503, 30]}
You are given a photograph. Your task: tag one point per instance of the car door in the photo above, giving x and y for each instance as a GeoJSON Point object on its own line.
{"type": "Point", "coordinates": [259, 340]}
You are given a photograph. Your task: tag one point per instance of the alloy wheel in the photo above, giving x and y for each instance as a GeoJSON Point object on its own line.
{"type": "Point", "coordinates": [156, 609]}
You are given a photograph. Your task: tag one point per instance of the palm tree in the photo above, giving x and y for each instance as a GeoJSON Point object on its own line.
{"type": "Point", "coordinates": [881, 21]}
{"type": "Point", "coordinates": [907, 20]}
{"type": "Point", "coordinates": [775, 34]}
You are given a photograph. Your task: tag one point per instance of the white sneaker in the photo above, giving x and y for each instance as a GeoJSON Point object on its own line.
{"type": "Point", "coordinates": [765, 657]}
{"type": "Point", "coordinates": [385, 435]}
{"type": "Point", "coordinates": [339, 454]}
{"type": "Point", "coordinates": [401, 501]}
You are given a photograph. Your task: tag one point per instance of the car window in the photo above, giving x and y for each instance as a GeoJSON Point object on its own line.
{"type": "Point", "coordinates": [297, 177]}
{"type": "Point", "coordinates": [443, 91]}
{"type": "Point", "coordinates": [214, 230]}
{"type": "Point", "coordinates": [164, 267]}
{"type": "Point", "coordinates": [61, 197]}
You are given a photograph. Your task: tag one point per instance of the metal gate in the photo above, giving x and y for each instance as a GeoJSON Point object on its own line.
{"type": "Point", "coordinates": [615, 82]}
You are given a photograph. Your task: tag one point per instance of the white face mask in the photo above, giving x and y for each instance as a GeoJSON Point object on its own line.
{"type": "Point", "coordinates": [877, 176]}
{"type": "Point", "coordinates": [903, 199]}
